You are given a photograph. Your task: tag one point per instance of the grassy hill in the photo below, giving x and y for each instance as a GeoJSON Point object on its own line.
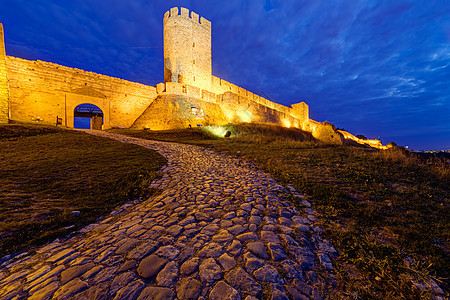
{"type": "Point", "coordinates": [385, 211]}
{"type": "Point", "coordinates": [48, 175]}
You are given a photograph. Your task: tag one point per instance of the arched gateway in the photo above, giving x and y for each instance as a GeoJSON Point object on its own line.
{"type": "Point", "coordinates": [88, 116]}
{"type": "Point", "coordinates": [95, 107]}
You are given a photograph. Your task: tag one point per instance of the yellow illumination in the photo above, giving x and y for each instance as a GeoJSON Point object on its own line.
{"type": "Point", "coordinates": [286, 123]}
{"type": "Point", "coordinates": [217, 131]}
{"type": "Point", "coordinates": [245, 116]}
{"type": "Point", "coordinates": [372, 143]}
{"type": "Point", "coordinates": [229, 115]}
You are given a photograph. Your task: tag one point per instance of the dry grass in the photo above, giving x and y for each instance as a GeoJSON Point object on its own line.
{"type": "Point", "coordinates": [46, 173]}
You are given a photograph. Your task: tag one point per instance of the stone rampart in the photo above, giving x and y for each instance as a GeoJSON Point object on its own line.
{"type": "Point", "coordinates": [41, 91]}
{"type": "Point", "coordinates": [369, 142]}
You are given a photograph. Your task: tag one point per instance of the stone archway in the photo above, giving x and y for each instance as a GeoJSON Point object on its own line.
{"type": "Point", "coordinates": [74, 100]}
{"type": "Point", "coordinates": [88, 116]}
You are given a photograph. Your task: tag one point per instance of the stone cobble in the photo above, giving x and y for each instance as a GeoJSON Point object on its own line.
{"type": "Point", "coordinates": [220, 229]}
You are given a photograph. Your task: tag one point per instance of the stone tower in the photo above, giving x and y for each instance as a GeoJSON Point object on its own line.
{"type": "Point", "coordinates": [187, 48]}
{"type": "Point", "coordinates": [4, 94]}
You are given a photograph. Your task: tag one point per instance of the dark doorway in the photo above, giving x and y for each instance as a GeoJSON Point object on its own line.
{"type": "Point", "coordinates": [88, 116]}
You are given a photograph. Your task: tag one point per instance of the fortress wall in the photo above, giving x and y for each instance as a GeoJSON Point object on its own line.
{"type": "Point", "coordinates": [174, 88]}
{"type": "Point", "coordinates": [372, 143]}
{"type": "Point", "coordinates": [243, 109]}
{"type": "Point", "coordinates": [4, 93]}
{"type": "Point", "coordinates": [296, 115]}
{"type": "Point", "coordinates": [225, 86]}
{"type": "Point", "coordinates": [193, 91]}
{"type": "Point", "coordinates": [208, 96]}
{"type": "Point", "coordinates": [301, 111]}
{"type": "Point", "coordinates": [215, 84]}
{"type": "Point", "coordinates": [220, 86]}
{"type": "Point", "coordinates": [46, 90]}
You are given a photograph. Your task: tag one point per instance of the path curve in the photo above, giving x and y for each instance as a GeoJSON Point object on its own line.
{"type": "Point", "coordinates": [220, 229]}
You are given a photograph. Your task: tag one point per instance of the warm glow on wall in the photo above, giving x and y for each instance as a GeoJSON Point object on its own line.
{"type": "Point", "coordinates": [229, 115]}
{"type": "Point", "coordinates": [245, 116]}
{"type": "Point", "coordinates": [286, 123]}
{"type": "Point", "coordinates": [372, 143]}
{"type": "Point", "coordinates": [217, 131]}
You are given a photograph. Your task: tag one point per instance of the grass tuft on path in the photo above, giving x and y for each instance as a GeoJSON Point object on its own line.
{"type": "Point", "coordinates": [386, 212]}
{"type": "Point", "coordinates": [47, 172]}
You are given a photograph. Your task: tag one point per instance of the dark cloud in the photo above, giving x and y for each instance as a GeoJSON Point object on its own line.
{"type": "Point", "coordinates": [379, 68]}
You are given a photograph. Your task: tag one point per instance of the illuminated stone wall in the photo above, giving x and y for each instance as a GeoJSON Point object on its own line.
{"type": "Point", "coordinates": [41, 91]}
{"type": "Point", "coordinates": [187, 48]}
{"type": "Point", "coordinates": [218, 109]}
{"type": "Point", "coordinates": [4, 102]}
{"type": "Point", "coordinates": [325, 132]}
{"type": "Point", "coordinates": [372, 143]}
{"type": "Point", "coordinates": [248, 107]}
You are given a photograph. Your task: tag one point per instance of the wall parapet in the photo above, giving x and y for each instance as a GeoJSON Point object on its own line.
{"type": "Point", "coordinates": [49, 68]}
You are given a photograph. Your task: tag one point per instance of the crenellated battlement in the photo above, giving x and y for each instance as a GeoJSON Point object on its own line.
{"type": "Point", "coordinates": [182, 12]}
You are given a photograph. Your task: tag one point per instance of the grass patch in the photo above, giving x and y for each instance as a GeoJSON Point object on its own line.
{"type": "Point", "coordinates": [47, 172]}
{"type": "Point", "coordinates": [385, 211]}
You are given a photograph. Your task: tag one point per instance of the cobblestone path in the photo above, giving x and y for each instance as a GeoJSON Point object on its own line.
{"type": "Point", "coordinates": [220, 229]}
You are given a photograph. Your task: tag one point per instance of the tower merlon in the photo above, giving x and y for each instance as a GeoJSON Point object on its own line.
{"type": "Point", "coordinates": [184, 13]}
{"type": "Point", "coordinates": [174, 11]}
{"type": "Point", "coordinates": [195, 17]}
{"type": "Point", "coordinates": [205, 22]}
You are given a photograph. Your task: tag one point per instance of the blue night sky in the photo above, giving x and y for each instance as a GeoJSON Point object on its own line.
{"type": "Point", "coordinates": [372, 67]}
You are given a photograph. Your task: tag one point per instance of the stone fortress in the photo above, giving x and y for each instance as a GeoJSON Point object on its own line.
{"type": "Point", "coordinates": [189, 96]}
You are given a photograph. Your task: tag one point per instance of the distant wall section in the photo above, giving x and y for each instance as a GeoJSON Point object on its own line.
{"type": "Point", "coordinates": [296, 115]}
{"type": "Point", "coordinates": [4, 93]}
{"type": "Point", "coordinates": [42, 91]}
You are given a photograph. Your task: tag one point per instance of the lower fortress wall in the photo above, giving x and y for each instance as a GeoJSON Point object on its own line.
{"type": "Point", "coordinates": [42, 91]}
